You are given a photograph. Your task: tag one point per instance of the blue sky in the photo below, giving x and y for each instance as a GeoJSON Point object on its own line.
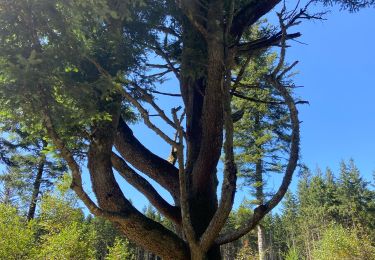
{"type": "Point", "coordinates": [337, 69]}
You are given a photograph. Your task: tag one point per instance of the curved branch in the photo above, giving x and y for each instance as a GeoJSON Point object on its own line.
{"type": "Point", "coordinates": [262, 210]}
{"type": "Point", "coordinates": [143, 186]}
{"type": "Point", "coordinates": [159, 51]}
{"type": "Point", "coordinates": [155, 167]}
{"type": "Point", "coordinates": [135, 225]}
{"type": "Point", "coordinates": [275, 80]}
{"type": "Point", "coordinates": [76, 184]}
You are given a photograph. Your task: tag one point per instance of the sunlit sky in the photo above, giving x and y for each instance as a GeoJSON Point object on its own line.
{"type": "Point", "coordinates": [337, 69]}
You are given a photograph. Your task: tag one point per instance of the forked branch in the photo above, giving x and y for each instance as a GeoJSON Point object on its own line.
{"type": "Point", "coordinates": [143, 186]}
{"type": "Point", "coordinates": [76, 184]}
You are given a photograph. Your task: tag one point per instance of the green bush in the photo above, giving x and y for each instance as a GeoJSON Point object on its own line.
{"type": "Point", "coordinates": [120, 251]}
{"type": "Point", "coordinates": [338, 243]}
{"type": "Point", "coordinates": [292, 254]}
{"type": "Point", "coordinates": [71, 242]}
{"type": "Point", "coordinates": [17, 239]}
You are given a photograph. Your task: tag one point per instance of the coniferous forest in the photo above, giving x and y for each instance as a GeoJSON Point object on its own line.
{"type": "Point", "coordinates": [187, 104]}
{"type": "Point", "coordinates": [330, 216]}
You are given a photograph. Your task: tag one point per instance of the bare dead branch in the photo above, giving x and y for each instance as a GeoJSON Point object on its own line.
{"type": "Point", "coordinates": [184, 198]}
{"type": "Point", "coordinates": [148, 98]}
{"type": "Point", "coordinates": [170, 65]}
{"type": "Point", "coordinates": [169, 30]}
{"type": "Point", "coordinates": [287, 69]}
{"type": "Point", "coordinates": [263, 43]}
{"type": "Point", "coordinates": [146, 118]}
{"type": "Point", "coordinates": [159, 74]}
{"type": "Point", "coordinates": [241, 73]}
{"type": "Point", "coordinates": [165, 93]}
{"type": "Point", "coordinates": [239, 95]}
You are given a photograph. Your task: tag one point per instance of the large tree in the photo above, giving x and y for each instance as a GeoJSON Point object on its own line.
{"type": "Point", "coordinates": [76, 70]}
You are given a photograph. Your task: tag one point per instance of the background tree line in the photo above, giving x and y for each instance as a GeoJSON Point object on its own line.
{"type": "Point", "coordinates": [330, 216]}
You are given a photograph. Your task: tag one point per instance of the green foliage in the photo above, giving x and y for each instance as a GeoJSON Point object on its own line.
{"type": "Point", "coordinates": [120, 250]}
{"type": "Point", "coordinates": [105, 235]}
{"type": "Point", "coordinates": [74, 241]}
{"type": "Point", "coordinates": [56, 213]}
{"type": "Point", "coordinates": [65, 234]}
{"type": "Point", "coordinates": [292, 254]}
{"type": "Point", "coordinates": [59, 231]}
{"type": "Point", "coordinates": [17, 236]}
{"type": "Point", "coordinates": [321, 200]}
{"type": "Point", "coordinates": [329, 217]}
{"type": "Point", "coordinates": [351, 5]}
{"type": "Point", "coordinates": [55, 62]}
{"type": "Point", "coordinates": [338, 242]}
{"type": "Point", "coordinates": [70, 58]}
{"type": "Point", "coordinates": [357, 202]}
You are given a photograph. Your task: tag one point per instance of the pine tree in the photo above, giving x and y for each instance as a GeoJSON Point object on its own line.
{"type": "Point", "coordinates": [262, 134]}
{"type": "Point", "coordinates": [356, 201]}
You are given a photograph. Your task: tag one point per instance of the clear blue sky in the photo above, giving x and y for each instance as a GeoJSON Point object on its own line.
{"type": "Point", "coordinates": [337, 69]}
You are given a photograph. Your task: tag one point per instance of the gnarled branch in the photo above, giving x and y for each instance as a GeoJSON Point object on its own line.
{"type": "Point", "coordinates": [133, 151]}
{"type": "Point", "coordinates": [143, 186]}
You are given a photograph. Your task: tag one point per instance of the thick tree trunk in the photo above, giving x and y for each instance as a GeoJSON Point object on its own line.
{"type": "Point", "coordinates": [201, 88]}
{"type": "Point", "coordinates": [36, 188]}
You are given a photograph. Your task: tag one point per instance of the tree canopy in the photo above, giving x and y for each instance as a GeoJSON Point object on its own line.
{"type": "Point", "coordinates": [75, 74]}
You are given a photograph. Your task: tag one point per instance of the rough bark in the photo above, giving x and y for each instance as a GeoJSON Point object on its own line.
{"type": "Point", "coordinates": [152, 235]}
{"type": "Point", "coordinates": [144, 160]}
{"type": "Point", "coordinates": [203, 101]}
